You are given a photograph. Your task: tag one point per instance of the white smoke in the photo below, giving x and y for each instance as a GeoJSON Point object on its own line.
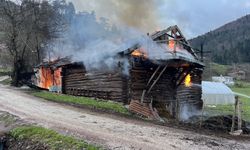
{"type": "Point", "coordinates": [101, 52]}
{"type": "Point", "coordinates": [187, 111]}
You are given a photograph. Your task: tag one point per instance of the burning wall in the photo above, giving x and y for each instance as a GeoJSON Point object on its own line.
{"type": "Point", "coordinates": [48, 75]}
{"type": "Point", "coordinates": [49, 79]}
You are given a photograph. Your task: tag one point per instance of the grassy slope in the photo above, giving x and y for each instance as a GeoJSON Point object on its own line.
{"type": "Point", "coordinates": [83, 101]}
{"type": "Point", "coordinates": [50, 138]}
{"type": "Point", "coordinates": [214, 69]}
{"type": "Point", "coordinates": [218, 69]}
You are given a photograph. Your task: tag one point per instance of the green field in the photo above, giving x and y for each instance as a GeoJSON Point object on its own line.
{"type": "Point", "coordinates": [245, 89]}
{"type": "Point", "coordinates": [240, 87]}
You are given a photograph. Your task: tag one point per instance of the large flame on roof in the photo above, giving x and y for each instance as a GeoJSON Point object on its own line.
{"type": "Point", "coordinates": [188, 82]}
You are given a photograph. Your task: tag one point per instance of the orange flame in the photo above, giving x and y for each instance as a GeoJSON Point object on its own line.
{"type": "Point", "coordinates": [139, 53]}
{"type": "Point", "coordinates": [49, 78]}
{"type": "Point", "coordinates": [188, 82]}
{"type": "Point", "coordinates": [171, 44]}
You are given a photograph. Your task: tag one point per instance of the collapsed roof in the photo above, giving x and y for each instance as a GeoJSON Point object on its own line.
{"type": "Point", "coordinates": [159, 48]}
{"type": "Point", "coordinates": [56, 63]}
{"type": "Point", "coordinates": [169, 44]}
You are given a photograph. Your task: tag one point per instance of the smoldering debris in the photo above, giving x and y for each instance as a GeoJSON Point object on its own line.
{"type": "Point", "coordinates": [221, 124]}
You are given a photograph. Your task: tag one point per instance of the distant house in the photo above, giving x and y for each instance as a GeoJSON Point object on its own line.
{"type": "Point", "coordinates": [223, 79]}
{"type": "Point", "coordinates": [238, 75]}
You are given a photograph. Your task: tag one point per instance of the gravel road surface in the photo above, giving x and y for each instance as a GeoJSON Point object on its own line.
{"type": "Point", "coordinates": [109, 131]}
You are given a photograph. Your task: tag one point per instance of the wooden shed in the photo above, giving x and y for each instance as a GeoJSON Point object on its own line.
{"type": "Point", "coordinates": [153, 87]}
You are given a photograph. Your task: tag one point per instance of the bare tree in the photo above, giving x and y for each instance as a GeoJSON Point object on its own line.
{"type": "Point", "coordinates": [28, 25]}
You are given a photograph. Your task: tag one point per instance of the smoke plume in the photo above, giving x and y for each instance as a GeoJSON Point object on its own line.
{"type": "Point", "coordinates": [95, 42]}
{"type": "Point", "coordinates": [140, 14]}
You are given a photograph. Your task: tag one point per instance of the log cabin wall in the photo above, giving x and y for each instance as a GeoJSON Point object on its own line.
{"type": "Point", "coordinates": [162, 94]}
{"type": "Point", "coordinates": [113, 85]}
{"type": "Point", "coordinates": [189, 98]}
{"type": "Point", "coordinates": [103, 85]}
{"type": "Point", "coordinates": [167, 96]}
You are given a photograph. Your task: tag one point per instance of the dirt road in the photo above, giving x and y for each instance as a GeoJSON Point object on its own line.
{"type": "Point", "coordinates": [111, 132]}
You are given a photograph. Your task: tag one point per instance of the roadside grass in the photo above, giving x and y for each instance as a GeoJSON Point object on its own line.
{"type": "Point", "coordinates": [4, 71]}
{"type": "Point", "coordinates": [50, 138]}
{"type": "Point", "coordinates": [6, 81]}
{"type": "Point", "coordinates": [240, 87]}
{"type": "Point", "coordinates": [83, 101]}
{"type": "Point", "coordinates": [7, 119]}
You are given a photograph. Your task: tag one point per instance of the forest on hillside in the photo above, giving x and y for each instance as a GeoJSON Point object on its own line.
{"type": "Point", "coordinates": [228, 44]}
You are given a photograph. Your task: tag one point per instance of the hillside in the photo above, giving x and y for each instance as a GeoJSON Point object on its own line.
{"type": "Point", "coordinates": [229, 43]}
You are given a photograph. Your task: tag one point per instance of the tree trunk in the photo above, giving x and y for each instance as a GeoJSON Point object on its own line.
{"type": "Point", "coordinates": [16, 74]}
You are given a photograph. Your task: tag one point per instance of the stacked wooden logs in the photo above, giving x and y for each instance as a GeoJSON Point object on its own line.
{"type": "Point", "coordinates": [110, 86]}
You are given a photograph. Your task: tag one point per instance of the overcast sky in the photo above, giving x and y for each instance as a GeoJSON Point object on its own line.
{"type": "Point", "coordinates": [194, 17]}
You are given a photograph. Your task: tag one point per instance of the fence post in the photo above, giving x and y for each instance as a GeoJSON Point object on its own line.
{"type": "Point", "coordinates": [239, 114]}
{"type": "Point", "coordinates": [202, 113]}
{"type": "Point", "coordinates": [234, 114]}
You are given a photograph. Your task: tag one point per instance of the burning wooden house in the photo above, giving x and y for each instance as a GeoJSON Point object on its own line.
{"type": "Point", "coordinates": [156, 83]}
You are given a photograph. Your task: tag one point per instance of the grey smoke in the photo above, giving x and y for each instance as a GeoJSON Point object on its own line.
{"type": "Point", "coordinates": [195, 17]}
{"type": "Point", "coordinates": [101, 53]}
{"type": "Point", "coordinates": [140, 14]}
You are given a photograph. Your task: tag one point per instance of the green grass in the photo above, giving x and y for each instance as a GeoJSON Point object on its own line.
{"type": "Point", "coordinates": [214, 69]}
{"type": "Point", "coordinates": [6, 81]}
{"type": "Point", "coordinates": [4, 72]}
{"type": "Point", "coordinates": [50, 138]}
{"type": "Point", "coordinates": [219, 69]}
{"type": "Point", "coordinates": [7, 119]}
{"type": "Point", "coordinates": [244, 88]}
{"type": "Point", "coordinates": [83, 101]}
